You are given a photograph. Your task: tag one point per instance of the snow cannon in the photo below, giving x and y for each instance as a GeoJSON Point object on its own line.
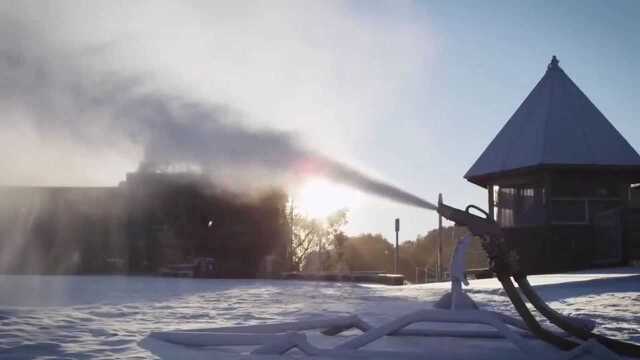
{"type": "Point", "coordinates": [502, 261]}
{"type": "Point", "coordinates": [477, 225]}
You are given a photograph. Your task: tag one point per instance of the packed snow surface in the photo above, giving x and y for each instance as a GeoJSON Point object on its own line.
{"type": "Point", "coordinates": [82, 317]}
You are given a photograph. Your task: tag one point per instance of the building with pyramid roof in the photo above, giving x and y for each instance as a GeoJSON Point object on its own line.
{"type": "Point", "coordinates": [559, 178]}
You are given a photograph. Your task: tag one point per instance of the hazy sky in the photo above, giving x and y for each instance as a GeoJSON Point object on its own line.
{"type": "Point", "coordinates": [411, 92]}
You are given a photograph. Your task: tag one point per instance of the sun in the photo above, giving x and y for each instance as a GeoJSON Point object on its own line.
{"type": "Point", "coordinates": [318, 198]}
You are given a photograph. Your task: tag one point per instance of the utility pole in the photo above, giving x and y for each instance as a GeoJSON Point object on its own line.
{"type": "Point", "coordinates": [439, 257]}
{"type": "Point", "coordinates": [290, 244]}
{"type": "Point", "coordinates": [397, 257]}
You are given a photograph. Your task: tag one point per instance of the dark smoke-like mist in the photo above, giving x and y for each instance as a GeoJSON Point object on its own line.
{"type": "Point", "coordinates": [62, 96]}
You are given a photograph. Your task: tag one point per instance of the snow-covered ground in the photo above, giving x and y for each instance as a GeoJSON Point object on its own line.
{"type": "Point", "coordinates": [82, 317]}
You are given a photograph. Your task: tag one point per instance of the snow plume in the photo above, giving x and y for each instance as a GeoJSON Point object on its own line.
{"type": "Point", "coordinates": [59, 93]}
{"type": "Point", "coordinates": [347, 175]}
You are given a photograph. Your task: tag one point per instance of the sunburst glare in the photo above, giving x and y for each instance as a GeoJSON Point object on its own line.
{"type": "Point", "coordinates": [319, 198]}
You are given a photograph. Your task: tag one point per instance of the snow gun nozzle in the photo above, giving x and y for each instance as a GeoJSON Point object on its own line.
{"type": "Point", "coordinates": [477, 225]}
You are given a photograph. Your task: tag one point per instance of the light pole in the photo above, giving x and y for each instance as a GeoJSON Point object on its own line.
{"type": "Point", "coordinates": [439, 257]}
{"type": "Point", "coordinates": [289, 249]}
{"type": "Point", "coordinates": [395, 263]}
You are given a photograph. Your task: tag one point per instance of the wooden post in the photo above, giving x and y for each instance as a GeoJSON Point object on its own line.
{"type": "Point", "coordinates": [548, 208]}
{"type": "Point", "coordinates": [491, 201]}
{"type": "Point", "coordinates": [548, 217]}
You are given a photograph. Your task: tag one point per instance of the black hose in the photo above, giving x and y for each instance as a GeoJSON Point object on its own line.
{"type": "Point", "coordinates": [617, 346]}
{"type": "Point", "coordinates": [504, 264]}
{"type": "Point", "coordinates": [532, 323]}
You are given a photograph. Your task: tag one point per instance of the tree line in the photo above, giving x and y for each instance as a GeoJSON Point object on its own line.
{"type": "Point", "coordinates": [320, 245]}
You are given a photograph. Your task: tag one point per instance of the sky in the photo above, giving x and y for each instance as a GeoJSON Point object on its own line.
{"type": "Point", "coordinates": [408, 92]}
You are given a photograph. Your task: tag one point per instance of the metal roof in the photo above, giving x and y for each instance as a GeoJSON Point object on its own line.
{"type": "Point", "coordinates": [555, 125]}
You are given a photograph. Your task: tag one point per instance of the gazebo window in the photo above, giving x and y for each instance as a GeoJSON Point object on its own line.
{"type": "Point", "coordinates": [570, 211]}
{"type": "Point", "coordinates": [504, 206]}
{"type": "Point", "coordinates": [597, 206]}
{"type": "Point", "coordinates": [519, 205]}
{"type": "Point", "coordinates": [578, 202]}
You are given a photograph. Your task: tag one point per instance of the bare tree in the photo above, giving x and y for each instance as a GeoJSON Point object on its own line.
{"type": "Point", "coordinates": [310, 235]}
{"type": "Point", "coordinates": [306, 236]}
{"type": "Point", "coordinates": [335, 223]}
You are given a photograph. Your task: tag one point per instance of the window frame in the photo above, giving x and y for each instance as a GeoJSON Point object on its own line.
{"type": "Point", "coordinates": [586, 200]}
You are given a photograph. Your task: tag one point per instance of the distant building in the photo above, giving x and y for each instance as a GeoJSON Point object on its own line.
{"type": "Point", "coordinates": [60, 229]}
{"type": "Point", "coordinates": [559, 179]}
{"type": "Point", "coordinates": [149, 221]}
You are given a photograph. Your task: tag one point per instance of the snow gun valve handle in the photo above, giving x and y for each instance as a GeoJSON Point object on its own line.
{"type": "Point", "coordinates": [477, 225]}
{"type": "Point", "coordinates": [502, 260]}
